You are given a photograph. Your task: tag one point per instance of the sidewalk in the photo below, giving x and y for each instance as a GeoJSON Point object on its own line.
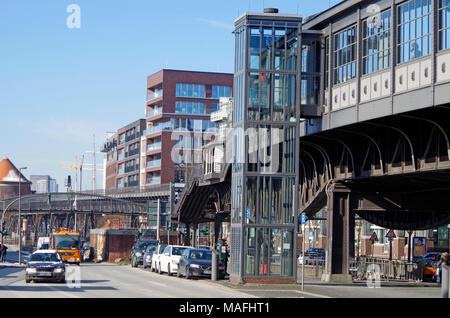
{"type": "Point", "coordinates": [12, 256]}
{"type": "Point", "coordinates": [392, 283]}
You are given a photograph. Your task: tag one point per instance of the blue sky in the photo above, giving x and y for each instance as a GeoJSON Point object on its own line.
{"type": "Point", "coordinates": [59, 87]}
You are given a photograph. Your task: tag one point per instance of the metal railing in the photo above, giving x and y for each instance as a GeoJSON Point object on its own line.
{"type": "Point", "coordinates": [158, 93]}
{"type": "Point", "coordinates": [386, 269]}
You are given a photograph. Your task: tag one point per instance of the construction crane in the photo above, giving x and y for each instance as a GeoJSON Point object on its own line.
{"type": "Point", "coordinates": [76, 168]}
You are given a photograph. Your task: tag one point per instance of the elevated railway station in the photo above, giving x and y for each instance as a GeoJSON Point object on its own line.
{"type": "Point", "coordinates": [351, 112]}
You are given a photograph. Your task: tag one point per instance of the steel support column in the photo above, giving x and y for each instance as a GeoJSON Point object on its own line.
{"type": "Point", "coordinates": [340, 232]}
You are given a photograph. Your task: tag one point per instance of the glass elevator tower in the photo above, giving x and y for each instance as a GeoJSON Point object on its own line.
{"type": "Point", "coordinates": [266, 117]}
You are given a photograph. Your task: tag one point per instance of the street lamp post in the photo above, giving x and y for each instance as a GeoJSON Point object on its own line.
{"type": "Point", "coordinates": [19, 230]}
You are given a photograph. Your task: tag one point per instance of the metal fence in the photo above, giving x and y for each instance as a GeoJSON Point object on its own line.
{"type": "Point", "coordinates": [366, 267]}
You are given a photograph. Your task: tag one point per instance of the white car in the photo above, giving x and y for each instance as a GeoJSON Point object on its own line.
{"type": "Point", "coordinates": [155, 257]}
{"type": "Point", "coordinates": [168, 260]}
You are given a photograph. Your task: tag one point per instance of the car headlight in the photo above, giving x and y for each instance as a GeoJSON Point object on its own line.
{"type": "Point", "coordinates": [195, 266]}
{"type": "Point", "coordinates": [148, 258]}
{"type": "Point", "coordinates": [58, 270]}
{"type": "Point", "coordinates": [138, 254]}
{"type": "Point", "coordinates": [31, 270]}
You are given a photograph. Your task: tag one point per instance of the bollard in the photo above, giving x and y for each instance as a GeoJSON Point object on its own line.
{"type": "Point", "coordinates": [445, 281]}
{"type": "Point", "coordinates": [317, 267]}
{"type": "Point", "coordinates": [214, 264]}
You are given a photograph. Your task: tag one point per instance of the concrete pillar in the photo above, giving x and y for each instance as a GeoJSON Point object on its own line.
{"type": "Point", "coordinates": [340, 233]}
{"type": "Point", "coordinates": [187, 239]}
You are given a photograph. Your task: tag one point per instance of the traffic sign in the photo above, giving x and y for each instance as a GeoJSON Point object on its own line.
{"type": "Point", "coordinates": [391, 235]}
{"type": "Point", "coordinates": [303, 218]}
{"type": "Point", "coordinates": [374, 237]}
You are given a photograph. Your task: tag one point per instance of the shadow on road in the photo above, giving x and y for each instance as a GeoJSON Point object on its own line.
{"type": "Point", "coordinates": [53, 288]}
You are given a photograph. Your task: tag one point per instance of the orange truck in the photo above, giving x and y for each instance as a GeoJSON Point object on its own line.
{"type": "Point", "coordinates": [67, 243]}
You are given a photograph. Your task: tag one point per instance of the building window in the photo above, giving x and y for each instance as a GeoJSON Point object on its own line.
{"type": "Point", "coordinates": [184, 107]}
{"type": "Point", "coordinates": [345, 55]}
{"type": "Point", "coordinates": [190, 90]}
{"type": "Point", "coordinates": [376, 42]}
{"type": "Point", "coordinates": [414, 30]}
{"type": "Point", "coordinates": [444, 24]}
{"type": "Point", "coordinates": [221, 91]}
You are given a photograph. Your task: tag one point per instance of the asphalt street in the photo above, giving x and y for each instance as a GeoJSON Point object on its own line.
{"type": "Point", "coordinates": [122, 281]}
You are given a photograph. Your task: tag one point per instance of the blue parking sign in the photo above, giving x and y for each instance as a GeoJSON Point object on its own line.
{"type": "Point", "coordinates": [303, 218]}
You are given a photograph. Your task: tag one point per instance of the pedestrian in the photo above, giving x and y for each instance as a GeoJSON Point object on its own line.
{"type": "Point", "coordinates": [3, 253]}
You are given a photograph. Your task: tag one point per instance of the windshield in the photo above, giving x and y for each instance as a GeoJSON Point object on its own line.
{"type": "Point", "coordinates": [141, 245]}
{"type": "Point", "coordinates": [150, 249]}
{"type": "Point", "coordinates": [178, 250]}
{"type": "Point", "coordinates": [161, 248]}
{"type": "Point", "coordinates": [45, 257]}
{"type": "Point", "coordinates": [201, 255]}
{"type": "Point", "coordinates": [144, 244]}
{"type": "Point", "coordinates": [67, 242]}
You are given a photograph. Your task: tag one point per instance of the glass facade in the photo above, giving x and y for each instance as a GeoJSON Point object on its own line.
{"type": "Point", "coordinates": [220, 91]}
{"type": "Point", "coordinates": [264, 147]}
{"type": "Point", "coordinates": [272, 48]}
{"type": "Point", "coordinates": [345, 55]}
{"type": "Point", "coordinates": [414, 30]}
{"type": "Point", "coordinates": [268, 252]}
{"type": "Point", "coordinates": [376, 41]}
{"type": "Point", "coordinates": [444, 24]}
{"type": "Point", "coordinates": [190, 90]}
{"type": "Point", "coordinates": [191, 108]}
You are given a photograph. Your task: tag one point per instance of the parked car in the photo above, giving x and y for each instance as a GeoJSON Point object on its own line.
{"type": "Point", "coordinates": [168, 260]}
{"type": "Point", "coordinates": [45, 265]}
{"type": "Point", "coordinates": [197, 263]}
{"type": "Point", "coordinates": [137, 254]}
{"type": "Point", "coordinates": [148, 254]}
{"type": "Point", "coordinates": [155, 257]}
{"type": "Point", "coordinates": [313, 256]}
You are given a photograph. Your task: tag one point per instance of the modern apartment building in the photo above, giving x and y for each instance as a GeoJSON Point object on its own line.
{"type": "Point", "coordinates": [178, 110]}
{"type": "Point", "coordinates": [122, 159]}
{"type": "Point", "coordinates": [43, 184]}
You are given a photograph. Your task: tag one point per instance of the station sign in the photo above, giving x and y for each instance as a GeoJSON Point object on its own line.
{"type": "Point", "coordinates": [303, 218]}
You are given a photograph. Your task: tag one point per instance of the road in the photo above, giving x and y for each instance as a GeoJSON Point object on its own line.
{"type": "Point", "coordinates": [113, 281]}
{"type": "Point", "coordinates": [122, 281]}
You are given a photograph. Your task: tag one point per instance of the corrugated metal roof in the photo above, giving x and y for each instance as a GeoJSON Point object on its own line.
{"type": "Point", "coordinates": [9, 173]}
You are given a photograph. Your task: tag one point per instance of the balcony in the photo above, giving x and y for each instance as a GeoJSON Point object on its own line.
{"type": "Point", "coordinates": [154, 163]}
{"type": "Point", "coordinates": [155, 112]}
{"type": "Point", "coordinates": [154, 146]}
{"type": "Point", "coordinates": [154, 180]}
{"type": "Point", "coordinates": [156, 94]}
{"type": "Point", "coordinates": [132, 152]}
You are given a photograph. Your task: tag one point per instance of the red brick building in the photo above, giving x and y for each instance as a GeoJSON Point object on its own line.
{"type": "Point", "coordinates": [179, 104]}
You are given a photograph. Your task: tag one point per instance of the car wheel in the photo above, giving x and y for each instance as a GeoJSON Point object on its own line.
{"type": "Point", "coordinates": [168, 270]}
{"type": "Point", "coordinates": [27, 281]}
{"type": "Point", "coordinates": [159, 269]}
